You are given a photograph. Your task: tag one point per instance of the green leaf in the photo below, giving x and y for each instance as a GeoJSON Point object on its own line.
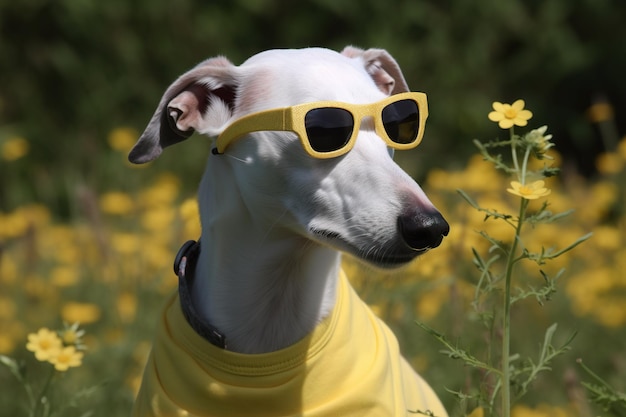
{"type": "Point", "coordinates": [547, 254]}
{"type": "Point", "coordinates": [14, 367]}
{"type": "Point", "coordinates": [467, 198]}
{"type": "Point", "coordinates": [454, 352]}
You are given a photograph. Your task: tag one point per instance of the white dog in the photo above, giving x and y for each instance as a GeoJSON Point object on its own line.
{"type": "Point", "coordinates": [265, 322]}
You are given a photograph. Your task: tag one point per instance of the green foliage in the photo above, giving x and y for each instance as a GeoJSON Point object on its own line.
{"type": "Point", "coordinates": [509, 380]}
{"type": "Point", "coordinates": [603, 394]}
{"type": "Point", "coordinates": [74, 70]}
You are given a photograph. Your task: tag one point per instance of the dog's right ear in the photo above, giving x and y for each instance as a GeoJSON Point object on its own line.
{"type": "Point", "coordinates": [200, 100]}
{"type": "Point", "coordinates": [382, 67]}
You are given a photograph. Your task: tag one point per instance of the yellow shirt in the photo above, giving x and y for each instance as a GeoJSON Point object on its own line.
{"type": "Point", "coordinates": [349, 366]}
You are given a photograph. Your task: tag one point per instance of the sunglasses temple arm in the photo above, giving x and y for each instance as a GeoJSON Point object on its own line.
{"type": "Point", "coordinates": [272, 120]}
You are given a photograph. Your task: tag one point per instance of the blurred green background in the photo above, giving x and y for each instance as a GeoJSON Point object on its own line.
{"type": "Point", "coordinates": [81, 232]}
{"type": "Point", "coordinates": [72, 70]}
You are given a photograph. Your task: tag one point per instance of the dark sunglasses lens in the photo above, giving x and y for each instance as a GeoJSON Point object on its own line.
{"type": "Point", "coordinates": [401, 121]}
{"type": "Point", "coordinates": [328, 129]}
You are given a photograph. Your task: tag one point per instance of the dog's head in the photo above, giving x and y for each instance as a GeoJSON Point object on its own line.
{"type": "Point", "coordinates": [360, 202]}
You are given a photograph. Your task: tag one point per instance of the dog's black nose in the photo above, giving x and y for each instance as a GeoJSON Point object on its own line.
{"type": "Point", "coordinates": [422, 230]}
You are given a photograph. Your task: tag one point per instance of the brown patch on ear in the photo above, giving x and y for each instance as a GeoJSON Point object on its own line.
{"type": "Point", "coordinates": [183, 105]}
{"type": "Point", "coordinates": [382, 67]}
{"type": "Point", "coordinates": [383, 80]}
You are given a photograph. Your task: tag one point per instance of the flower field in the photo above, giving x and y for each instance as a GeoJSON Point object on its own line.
{"type": "Point", "coordinates": [107, 266]}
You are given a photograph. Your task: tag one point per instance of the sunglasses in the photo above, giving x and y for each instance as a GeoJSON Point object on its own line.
{"type": "Point", "coordinates": [328, 129]}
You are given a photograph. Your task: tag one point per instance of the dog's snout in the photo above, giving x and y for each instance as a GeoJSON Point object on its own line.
{"type": "Point", "coordinates": [422, 230]}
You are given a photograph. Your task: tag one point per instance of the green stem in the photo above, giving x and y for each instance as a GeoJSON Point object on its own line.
{"type": "Point", "coordinates": [524, 165]}
{"type": "Point", "coordinates": [42, 394]}
{"type": "Point", "coordinates": [506, 319]}
{"type": "Point", "coordinates": [593, 374]}
{"type": "Point", "coordinates": [514, 154]}
{"type": "Point", "coordinates": [29, 394]}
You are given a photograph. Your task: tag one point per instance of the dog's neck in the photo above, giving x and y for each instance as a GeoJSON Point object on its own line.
{"type": "Point", "coordinates": [264, 288]}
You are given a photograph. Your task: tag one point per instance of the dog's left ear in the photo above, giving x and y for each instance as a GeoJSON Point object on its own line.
{"type": "Point", "coordinates": [200, 100]}
{"type": "Point", "coordinates": [381, 66]}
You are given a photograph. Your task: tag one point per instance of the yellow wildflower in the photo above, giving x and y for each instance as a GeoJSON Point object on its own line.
{"type": "Point", "coordinates": [116, 202]}
{"type": "Point", "coordinates": [477, 412]}
{"type": "Point", "coordinates": [45, 344]}
{"type": "Point", "coordinates": [189, 209]}
{"type": "Point", "coordinates": [66, 358]}
{"type": "Point", "coordinates": [122, 138]}
{"type": "Point", "coordinates": [509, 115]}
{"type": "Point", "coordinates": [125, 243]}
{"type": "Point", "coordinates": [542, 410]}
{"type": "Point", "coordinates": [64, 276]}
{"type": "Point", "coordinates": [7, 344]}
{"type": "Point", "coordinates": [73, 335]}
{"type": "Point", "coordinates": [70, 337]}
{"type": "Point", "coordinates": [7, 308]}
{"type": "Point", "coordinates": [23, 220]}
{"type": "Point", "coordinates": [164, 191]}
{"type": "Point", "coordinates": [530, 191]}
{"type": "Point", "coordinates": [609, 163]}
{"type": "Point", "coordinates": [154, 218]}
{"type": "Point", "coordinates": [14, 149]}
{"type": "Point", "coordinates": [85, 313]}
{"type": "Point", "coordinates": [608, 238]}
{"type": "Point", "coordinates": [127, 306]}
{"type": "Point", "coordinates": [600, 112]}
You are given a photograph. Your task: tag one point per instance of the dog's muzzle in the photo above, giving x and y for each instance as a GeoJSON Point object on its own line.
{"type": "Point", "coordinates": [422, 230]}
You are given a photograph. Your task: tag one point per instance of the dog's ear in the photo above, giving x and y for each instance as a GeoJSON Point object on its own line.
{"type": "Point", "coordinates": [200, 100]}
{"type": "Point", "coordinates": [381, 66]}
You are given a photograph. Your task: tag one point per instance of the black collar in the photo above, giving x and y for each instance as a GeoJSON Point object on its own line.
{"type": "Point", "coordinates": [185, 268]}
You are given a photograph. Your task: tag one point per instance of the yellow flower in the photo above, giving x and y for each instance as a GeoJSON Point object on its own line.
{"type": "Point", "coordinates": [542, 410]}
{"type": "Point", "coordinates": [477, 412]}
{"type": "Point", "coordinates": [600, 112]}
{"type": "Point", "coordinates": [155, 218]}
{"type": "Point", "coordinates": [73, 335]}
{"type": "Point", "coordinates": [7, 308]}
{"type": "Point", "coordinates": [125, 243]}
{"type": "Point", "coordinates": [70, 337]}
{"type": "Point", "coordinates": [609, 163]}
{"type": "Point", "coordinates": [164, 191]}
{"type": "Point", "coordinates": [23, 220]}
{"type": "Point", "coordinates": [508, 115]}
{"type": "Point", "coordinates": [7, 344]}
{"type": "Point", "coordinates": [85, 313]}
{"type": "Point", "coordinates": [117, 203]}
{"type": "Point", "coordinates": [66, 358]}
{"type": "Point", "coordinates": [189, 209]}
{"type": "Point", "coordinates": [127, 306]}
{"type": "Point", "coordinates": [14, 149]}
{"type": "Point", "coordinates": [64, 276]}
{"type": "Point", "coordinates": [191, 219]}
{"type": "Point", "coordinates": [45, 344]}
{"type": "Point", "coordinates": [530, 191]}
{"type": "Point", "coordinates": [122, 138]}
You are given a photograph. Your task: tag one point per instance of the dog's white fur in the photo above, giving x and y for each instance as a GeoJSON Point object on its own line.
{"type": "Point", "coordinates": [274, 220]}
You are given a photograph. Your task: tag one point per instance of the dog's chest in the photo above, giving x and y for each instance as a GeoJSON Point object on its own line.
{"type": "Point", "coordinates": [350, 366]}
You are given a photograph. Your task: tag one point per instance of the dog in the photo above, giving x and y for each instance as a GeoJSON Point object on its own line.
{"type": "Point", "coordinates": [265, 322]}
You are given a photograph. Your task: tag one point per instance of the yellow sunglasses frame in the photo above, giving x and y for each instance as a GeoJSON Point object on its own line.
{"type": "Point", "coordinates": [293, 119]}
